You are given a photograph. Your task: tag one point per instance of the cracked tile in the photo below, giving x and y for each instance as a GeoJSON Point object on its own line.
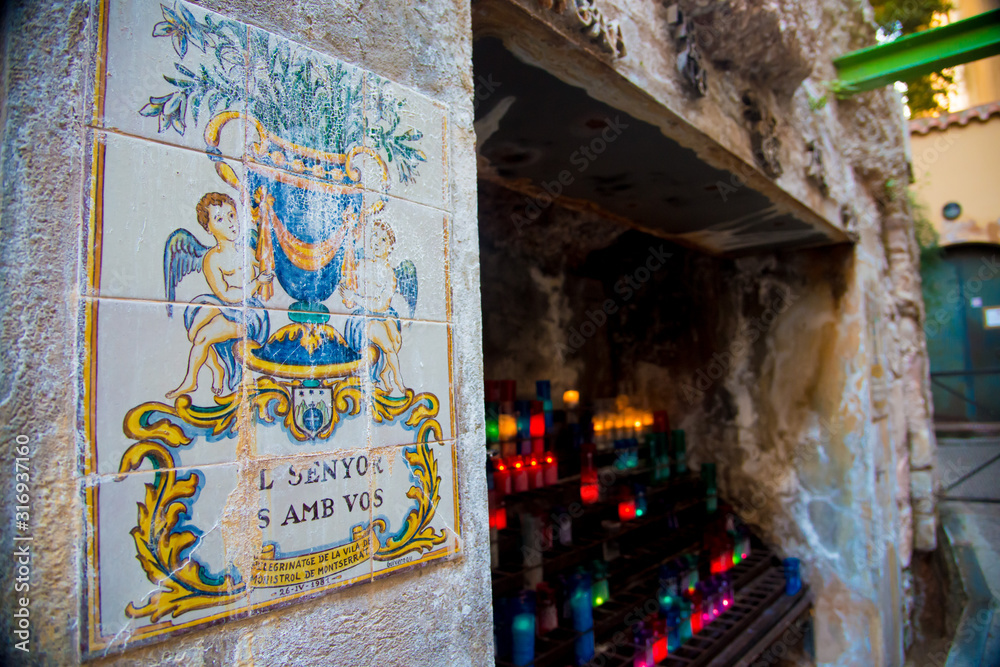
{"type": "Point", "coordinates": [315, 521]}
{"type": "Point", "coordinates": [143, 387]}
{"type": "Point", "coordinates": [415, 489]}
{"type": "Point", "coordinates": [187, 575]}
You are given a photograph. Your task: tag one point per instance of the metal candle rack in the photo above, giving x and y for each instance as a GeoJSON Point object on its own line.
{"type": "Point", "coordinates": [760, 613]}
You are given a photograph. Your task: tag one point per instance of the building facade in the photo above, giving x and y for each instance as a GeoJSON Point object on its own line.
{"type": "Point", "coordinates": [954, 159]}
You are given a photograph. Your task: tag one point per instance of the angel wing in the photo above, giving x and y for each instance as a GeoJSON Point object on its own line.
{"type": "Point", "coordinates": [182, 255]}
{"type": "Point", "coordinates": [406, 283]}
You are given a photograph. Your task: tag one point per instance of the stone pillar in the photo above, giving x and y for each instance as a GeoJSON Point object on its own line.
{"type": "Point", "coordinates": [131, 131]}
{"type": "Point", "coordinates": [909, 305]}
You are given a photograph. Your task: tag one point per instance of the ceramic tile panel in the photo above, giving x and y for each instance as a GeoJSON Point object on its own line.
{"type": "Point", "coordinates": [146, 369]}
{"type": "Point", "coordinates": [406, 262]}
{"type": "Point", "coordinates": [189, 578]}
{"type": "Point", "coordinates": [309, 386]}
{"type": "Point", "coordinates": [175, 73]}
{"type": "Point", "coordinates": [168, 226]}
{"type": "Point", "coordinates": [408, 479]}
{"type": "Point", "coordinates": [257, 358]}
{"type": "Point", "coordinates": [413, 368]}
{"type": "Point", "coordinates": [409, 132]}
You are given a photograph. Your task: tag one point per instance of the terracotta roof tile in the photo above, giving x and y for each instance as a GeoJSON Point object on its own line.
{"type": "Point", "coordinates": [982, 112]}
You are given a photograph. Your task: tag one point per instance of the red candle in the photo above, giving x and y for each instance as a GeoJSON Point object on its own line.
{"type": "Point", "coordinates": [551, 468]}
{"type": "Point", "coordinates": [660, 649]}
{"type": "Point", "coordinates": [661, 422]}
{"type": "Point", "coordinates": [498, 518]}
{"type": "Point", "coordinates": [626, 510]}
{"type": "Point", "coordinates": [626, 504]}
{"type": "Point", "coordinates": [537, 423]}
{"type": "Point", "coordinates": [536, 473]}
{"type": "Point", "coordinates": [520, 474]}
{"type": "Point", "coordinates": [498, 511]}
{"type": "Point", "coordinates": [590, 490]}
{"type": "Point", "coordinates": [501, 520]}
{"type": "Point", "coordinates": [501, 479]}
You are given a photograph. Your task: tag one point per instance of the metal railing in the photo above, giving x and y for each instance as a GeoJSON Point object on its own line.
{"type": "Point", "coordinates": [988, 411]}
{"type": "Point", "coordinates": [982, 412]}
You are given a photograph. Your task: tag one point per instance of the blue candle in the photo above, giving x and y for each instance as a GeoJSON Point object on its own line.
{"type": "Point", "coordinates": [662, 457]}
{"type": "Point", "coordinates": [633, 452]}
{"type": "Point", "coordinates": [793, 577]}
{"type": "Point", "coordinates": [621, 454]}
{"type": "Point", "coordinates": [684, 629]}
{"type": "Point", "coordinates": [544, 390]}
{"type": "Point", "coordinates": [641, 506]}
{"type": "Point", "coordinates": [680, 451]}
{"type": "Point", "coordinates": [674, 627]}
{"type": "Point", "coordinates": [522, 412]}
{"type": "Point", "coordinates": [581, 601]}
{"type": "Point", "coordinates": [669, 586]}
{"type": "Point", "coordinates": [523, 629]}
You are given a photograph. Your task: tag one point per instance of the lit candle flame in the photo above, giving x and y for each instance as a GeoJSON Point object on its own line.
{"type": "Point", "coordinates": [571, 398]}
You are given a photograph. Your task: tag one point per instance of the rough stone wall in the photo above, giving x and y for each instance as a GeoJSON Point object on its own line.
{"type": "Point", "coordinates": [440, 615]}
{"type": "Point", "coordinates": [42, 166]}
{"type": "Point", "coordinates": [804, 374]}
{"type": "Point", "coordinates": [789, 370]}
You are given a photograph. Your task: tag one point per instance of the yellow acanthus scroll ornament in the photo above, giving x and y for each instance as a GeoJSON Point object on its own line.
{"type": "Point", "coordinates": [161, 544]}
{"type": "Point", "coordinates": [164, 544]}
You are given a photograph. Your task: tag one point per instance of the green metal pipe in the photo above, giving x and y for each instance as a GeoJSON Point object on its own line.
{"type": "Point", "coordinates": [913, 56]}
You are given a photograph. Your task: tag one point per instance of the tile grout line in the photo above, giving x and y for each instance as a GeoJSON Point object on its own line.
{"type": "Point", "coordinates": [245, 161]}
{"type": "Point", "coordinates": [240, 306]}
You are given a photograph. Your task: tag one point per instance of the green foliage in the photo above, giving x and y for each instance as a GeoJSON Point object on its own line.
{"type": "Point", "coordinates": [927, 236]}
{"type": "Point", "coordinates": [931, 254]}
{"type": "Point", "coordinates": [308, 102]}
{"type": "Point", "coordinates": [817, 103]}
{"type": "Point", "coordinates": [322, 105]}
{"type": "Point", "coordinates": [907, 16]}
{"type": "Point", "coordinates": [928, 94]}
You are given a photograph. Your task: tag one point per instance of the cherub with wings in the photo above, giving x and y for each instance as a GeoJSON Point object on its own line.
{"type": "Point", "coordinates": [374, 306]}
{"type": "Point", "coordinates": [212, 330]}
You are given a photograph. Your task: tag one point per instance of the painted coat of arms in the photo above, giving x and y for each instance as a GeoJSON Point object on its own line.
{"type": "Point", "coordinates": [286, 407]}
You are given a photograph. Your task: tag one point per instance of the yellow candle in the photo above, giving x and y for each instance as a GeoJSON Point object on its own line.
{"type": "Point", "coordinates": [571, 398]}
{"type": "Point", "coordinates": [508, 427]}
